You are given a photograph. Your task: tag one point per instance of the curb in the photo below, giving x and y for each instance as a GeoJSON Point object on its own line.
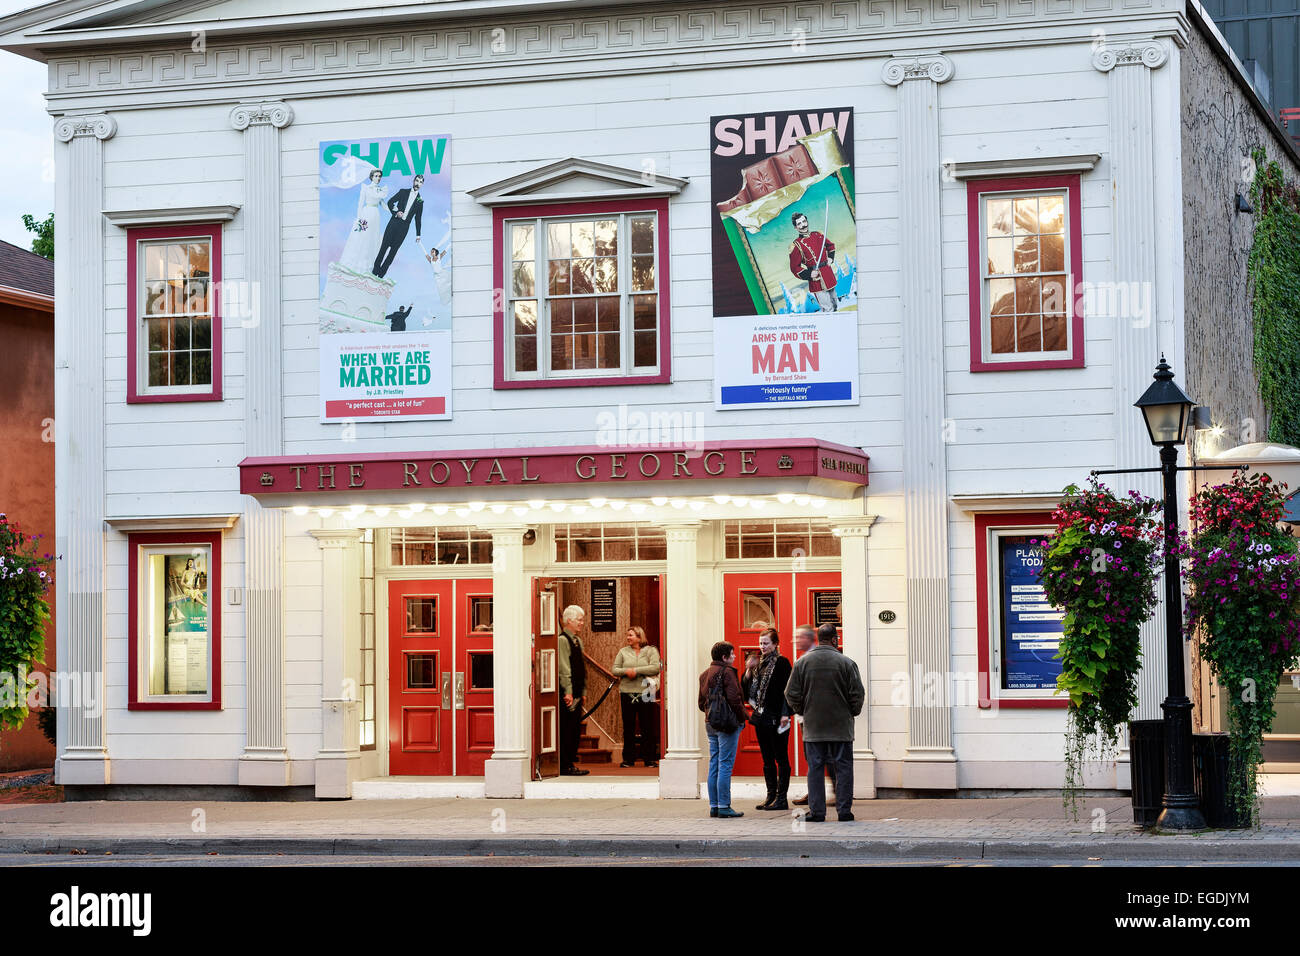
{"type": "Point", "coordinates": [630, 846]}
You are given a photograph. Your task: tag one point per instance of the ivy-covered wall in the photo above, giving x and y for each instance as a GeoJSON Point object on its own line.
{"type": "Point", "coordinates": [1221, 130]}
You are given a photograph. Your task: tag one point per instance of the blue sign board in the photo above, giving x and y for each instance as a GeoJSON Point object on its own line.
{"type": "Point", "coordinates": [1031, 628]}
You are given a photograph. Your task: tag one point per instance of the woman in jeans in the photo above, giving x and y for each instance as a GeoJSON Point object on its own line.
{"type": "Point", "coordinates": [722, 746]}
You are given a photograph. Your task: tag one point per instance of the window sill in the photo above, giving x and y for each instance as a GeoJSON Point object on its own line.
{"type": "Point", "coordinates": [195, 397]}
{"type": "Point", "coordinates": [660, 378]}
{"type": "Point", "coordinates": [1025, 703]}
{"type": "Point", "coordinates": [1024, 366]}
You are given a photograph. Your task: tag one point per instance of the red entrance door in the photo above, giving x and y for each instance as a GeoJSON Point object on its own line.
{"type": "Point", "coordinates": [421, 662]}
{"type": "Point", "coordinates": [783, 600]}
{"type": "Point", "coordinates": [440, 711]}
{"type": "Point", "coordinates": [473, 681]}
{"type": "Point", "coordinates": [546, 682]}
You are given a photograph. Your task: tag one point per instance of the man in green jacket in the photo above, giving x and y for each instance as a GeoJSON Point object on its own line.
{"type": "Point", "coordinates": [826, 689]}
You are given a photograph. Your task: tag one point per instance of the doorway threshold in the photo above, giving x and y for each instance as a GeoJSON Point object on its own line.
{"type": "Point", "coordinates": [417, 788]}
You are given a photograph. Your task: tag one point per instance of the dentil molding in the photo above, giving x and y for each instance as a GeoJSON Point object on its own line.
{"type": "Point", "coordinates": [98, 125]}
{"type": "Point", "coordinates": [932, 66]}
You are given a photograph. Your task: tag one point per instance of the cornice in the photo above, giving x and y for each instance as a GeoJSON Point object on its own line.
{"type": "Point", "coordinates": [171, 214]}
{"type": "Point", "coordinates": [393, 54]}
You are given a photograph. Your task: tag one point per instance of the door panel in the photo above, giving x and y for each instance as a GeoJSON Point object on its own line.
{"type": "Point", "coordinates": [420, 628]}
{"type": "Point", "coordinates": [546, 681]}
{"type": "Point", "coordinates": [472, 689]}
{"type": "Point", "coordinates": [750, 599]}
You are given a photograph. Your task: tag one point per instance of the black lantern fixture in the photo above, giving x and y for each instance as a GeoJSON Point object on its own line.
{"type": "Point", "coordinates": [1166, 408]}
{"type": "Point", "coordinates": [1167, 411]}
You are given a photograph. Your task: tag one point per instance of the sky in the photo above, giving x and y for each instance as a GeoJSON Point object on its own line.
{"type": "Point", "coordinates": [27, 161]}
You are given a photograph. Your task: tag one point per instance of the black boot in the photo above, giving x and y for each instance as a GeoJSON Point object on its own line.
{"type": "Point", "coordinates": [770, 776]}
{"type": "Point", "coordinates": [782, 786]}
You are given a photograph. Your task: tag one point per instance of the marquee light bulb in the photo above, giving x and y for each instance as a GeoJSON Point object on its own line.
{"type": "Point", "coordinates": [659, 501]}
{"type": "Point", "coordinates": [618, 504]}
{"type": "Point", "coordinates": [678, 503]}
{"type": "Point", "coordinates": [740, 501]}
{"type": "Point", "coordinates": [537, 504]}
{"type": "Point", "coordinates": [324, 512]}
{"type": "Point", "coordinates": [722, 499]}
{"type": "Point", "coordinates": [557, 506]}
{"type": "Point", "coordinates": [597, 502]}
{"type": "Point", "coordinates": [520, 510]}
{"type": "Point", "coordinates": [440, 509]}
{"type": "Point", "coordinates": [801, 500]}
{"type": "Point", "coordinates": [417, 507]}
{"type": "Point", "coordinates": [785, 498]}
{"type": "Point", "coordinates": [462, 512]}
{"type": "Point", "coordinates": [382, 510]}
{"type": "Point", "coordinates": [357, 509]}
{"type": "Point", "coordinates": [476, 506]}
{"type": "Point", "coordinates": [300, 509]}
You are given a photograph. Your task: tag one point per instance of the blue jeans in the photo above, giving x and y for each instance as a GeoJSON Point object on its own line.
{"type": "Point", "coordinates": [722, 757]}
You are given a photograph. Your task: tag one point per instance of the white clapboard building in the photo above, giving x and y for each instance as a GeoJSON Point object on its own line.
{"type": "Point", "coordinates": [385, 333]}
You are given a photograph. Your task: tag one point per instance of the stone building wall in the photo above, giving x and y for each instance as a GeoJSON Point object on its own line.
{"type": "Point", "coordinates": [1221, 127]}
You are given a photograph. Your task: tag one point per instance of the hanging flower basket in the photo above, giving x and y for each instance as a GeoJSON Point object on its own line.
{"type": "Point", "coordinates": [1244, 603]}
{"type": "Point", "coordinates": [1101, 566]}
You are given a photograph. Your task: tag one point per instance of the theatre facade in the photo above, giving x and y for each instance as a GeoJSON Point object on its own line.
{"type": "Point", "coordinates": [396, 331]}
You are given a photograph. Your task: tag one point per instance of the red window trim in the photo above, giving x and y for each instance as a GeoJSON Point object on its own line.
{"type": "Point", "coordinates": [983, 612]}
{"type": "Point", "coordinates": [975, 244]}
{"type": "Point", "coordinates": [135, 393]}
{"type": "Point", "coordinates": [499, 216]}
{"type": "Point", "coordinates": [177, 538]}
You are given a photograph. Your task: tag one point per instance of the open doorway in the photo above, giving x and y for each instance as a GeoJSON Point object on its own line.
{"type": "Point", "coordinates": [613, 606]}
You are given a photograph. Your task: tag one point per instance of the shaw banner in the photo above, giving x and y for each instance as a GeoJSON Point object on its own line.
{"type": "Point", "coordinates": [785, 302]}
{"type": "Point", "coordinates": [385, 278]}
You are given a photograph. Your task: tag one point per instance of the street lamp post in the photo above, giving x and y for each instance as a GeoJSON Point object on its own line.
{"type": "Point", "coordinates": [1167, 411]}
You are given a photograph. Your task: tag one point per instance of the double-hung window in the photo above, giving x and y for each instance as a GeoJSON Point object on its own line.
{"type": "Point", "coordinates": [584, 298]}
{"type": "Point", "coordinates": [174, 326]}
{"type": "Point", "coordinates": [1025, 265]}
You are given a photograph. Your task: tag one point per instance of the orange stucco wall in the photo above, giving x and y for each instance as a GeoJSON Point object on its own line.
{"type": "Point", "coordinates": [27, 475]}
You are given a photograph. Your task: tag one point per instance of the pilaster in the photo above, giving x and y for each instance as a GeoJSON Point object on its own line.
{"type": "Point", "coordinates": [679, 771]}
{"type": "Point", "coordinates": [855, 618]}
{"type": "Point", "coordinates": [265, 758]}
{"type": "Point", "coordinates": [1134, 262]}
{"type": "Point", "coordinates": [339, 757]}
{"type": "Point", "coordinates": [79, 450]}
{"type": "Point", "coordinates": [929, 761]}
{"type": "Point", "coordinates": [507, 770]}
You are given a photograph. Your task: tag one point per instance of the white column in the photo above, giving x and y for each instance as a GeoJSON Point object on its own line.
{"type": "Point", "coordinates": [929, 761]}
{"type": "Point", "coordinates": [79, 449]}
{"type": "Point", "coordinates": [1136, 346]}
{"type": "Point", "coordinates": [679, 771]}
{"type": "Point", "coordinates": [339, 758]}
{"type": "Point", "coordinates": [507, 770]}
{"type": "Point", "coordinates": [265, 760]}
{"type": "Point", "coordinates": [855, 618]}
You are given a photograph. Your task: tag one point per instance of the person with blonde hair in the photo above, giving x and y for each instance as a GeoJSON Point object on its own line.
{"type": "Point", "coordinates": [636, 665]}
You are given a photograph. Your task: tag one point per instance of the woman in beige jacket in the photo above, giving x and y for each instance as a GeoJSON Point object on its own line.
{"type": "Point", "coordinates": [637, 665]}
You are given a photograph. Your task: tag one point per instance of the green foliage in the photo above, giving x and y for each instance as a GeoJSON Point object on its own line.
{"type": "Point", "coordinates": [24, 582]}
{"type": "Point", "coordinates": [43, 244]}
{"type": "Point", "coordinates": [1101, 566]}
{"type": "Point", "coordinates": [1245, 604]}
{"type": "Point", "coordinates": [1274, 270]}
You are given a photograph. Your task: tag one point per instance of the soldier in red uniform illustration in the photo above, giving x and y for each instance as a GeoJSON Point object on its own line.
{"type": "Point", "coordinates": [810, 256]}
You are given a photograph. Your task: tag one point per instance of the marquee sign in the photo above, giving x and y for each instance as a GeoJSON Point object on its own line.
{"type": "Point", "coordinates": [527, 469]}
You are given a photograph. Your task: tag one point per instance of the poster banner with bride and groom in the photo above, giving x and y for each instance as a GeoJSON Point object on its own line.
{"type": "Point", "coordinates": [385, 278]}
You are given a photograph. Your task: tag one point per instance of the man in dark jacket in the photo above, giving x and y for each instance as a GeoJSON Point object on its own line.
{"type": "Point", "coordinates": [763, 686]}
{"type": "Point", "coordinates": [827, 690]}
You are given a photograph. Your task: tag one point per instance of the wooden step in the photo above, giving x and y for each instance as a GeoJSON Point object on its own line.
{"type": "Point", "coordinates": [592, 755]}
{"type": "Point", "coordinates": [588, 741]}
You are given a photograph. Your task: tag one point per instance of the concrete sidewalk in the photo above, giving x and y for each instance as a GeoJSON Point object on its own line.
{"type": "Point", "coordinates": [969, 828]}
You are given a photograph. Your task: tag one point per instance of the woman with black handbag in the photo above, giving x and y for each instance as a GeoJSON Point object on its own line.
{"type": "Point", "coordinates": [763, 685]}
{"type": "Point", "coordinates": [724, 711]}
